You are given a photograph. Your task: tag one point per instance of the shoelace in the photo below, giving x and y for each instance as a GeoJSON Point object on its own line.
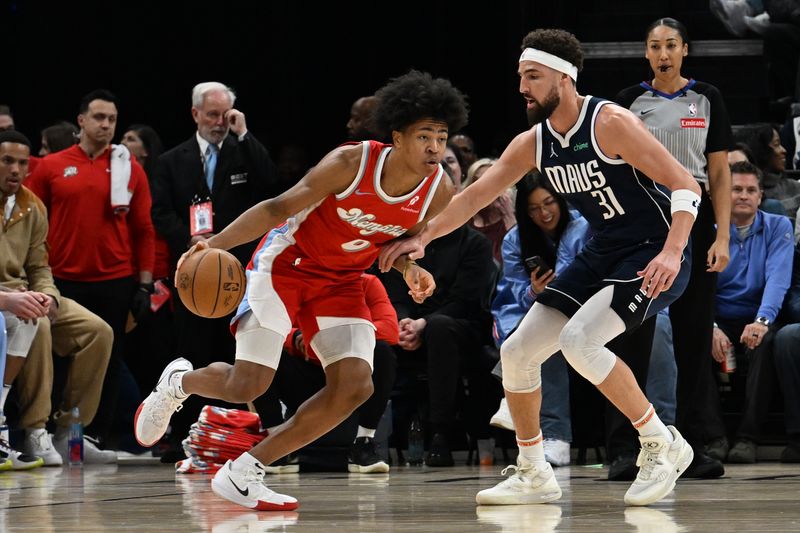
{"type": "Point", "coordinates": [649, 459]}
{"type": "Point", "coordinates": [256, 475]}
{"type": "Point", "coordinates": [517, 470]}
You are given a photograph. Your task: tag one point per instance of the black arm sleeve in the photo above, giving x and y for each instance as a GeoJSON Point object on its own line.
{"type": "Point", "coordinates": [719, 130]}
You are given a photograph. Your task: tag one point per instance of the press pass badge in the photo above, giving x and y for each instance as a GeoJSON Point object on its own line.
{"type": "Point", "coordinates": [201, 218]}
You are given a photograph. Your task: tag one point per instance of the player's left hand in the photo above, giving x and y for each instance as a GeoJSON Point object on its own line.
{"type": "Point", "coordinates": [420, 281]}
{"type": "Point", "coordinates": [659, 274]}
{"type": "Point", "coordinates": [718, 255]}
{"type": "Point", "coordinates": [236, 122]}
{"type": "Point", "coordinates": [396, 247]}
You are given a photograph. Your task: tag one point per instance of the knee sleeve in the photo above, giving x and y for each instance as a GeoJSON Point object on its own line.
{"type": "Point", "coordinates": [586, 353]}
{"type": "Point", "coordinates": [523, 353]}
{"type": "Point", "coordinates": [520, 372]}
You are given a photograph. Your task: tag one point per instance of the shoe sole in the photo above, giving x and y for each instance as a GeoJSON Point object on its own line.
{"type": "Point", "coordinates": [27, 466]}
{"type": "Point", "coordinates": [283, 469]}
{"type": "Point", "coordinates": [376, 468]}
{"type": "Point", "coordinates": [522, 499]}
{"type": "Point", "coordinates": [501, 423]}
{"type": "Point", "coordinates": [221, 490]}
{"type": "Point", "coordinates": [680, 467]}
{"type": "Point", "coordinates": [167, 372]}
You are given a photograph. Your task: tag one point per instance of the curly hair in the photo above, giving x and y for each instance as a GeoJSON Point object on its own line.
{"type": "Point", "coordinates": [560, 43]}
{"type": "Point", "coordinates": [416, 96]}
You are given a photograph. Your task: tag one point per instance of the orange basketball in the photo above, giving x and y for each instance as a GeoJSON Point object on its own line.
{"type": "Point", "coordinates": [211, 283]}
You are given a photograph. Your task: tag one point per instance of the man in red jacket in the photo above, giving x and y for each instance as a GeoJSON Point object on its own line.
{"type": "Point", "coordinates": [101, 236]}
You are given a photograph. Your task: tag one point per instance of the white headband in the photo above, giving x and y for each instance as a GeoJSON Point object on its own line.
{"type": "Point", "coordinates": [549, 60]}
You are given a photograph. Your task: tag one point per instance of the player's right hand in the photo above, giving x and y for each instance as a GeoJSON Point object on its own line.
{"type": "Point", "coordinates": [420, 283]}
{"type": "Point", "coordinates": [392, 250]}
{"type": "Point", "coordinates": [196, 247]}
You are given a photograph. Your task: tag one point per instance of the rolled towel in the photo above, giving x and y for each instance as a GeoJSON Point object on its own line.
{"type": "Point", "coordinates": [120, 178]}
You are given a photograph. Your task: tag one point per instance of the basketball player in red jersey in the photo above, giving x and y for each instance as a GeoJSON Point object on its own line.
{"type": "Point", "coordinates": [331, 226]}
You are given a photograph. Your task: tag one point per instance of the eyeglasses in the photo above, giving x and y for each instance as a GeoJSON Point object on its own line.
{"type": "Point", "coordinates": [534, 209]}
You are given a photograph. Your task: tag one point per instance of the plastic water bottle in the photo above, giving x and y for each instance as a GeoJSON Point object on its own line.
{"type": "Point", "coordinates": [75, 442]}
{"type": "Point", "coordinates": [416, 443]}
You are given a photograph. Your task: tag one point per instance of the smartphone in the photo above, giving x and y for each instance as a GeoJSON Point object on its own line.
{"type": "Point", "coordinates": [532, 263]}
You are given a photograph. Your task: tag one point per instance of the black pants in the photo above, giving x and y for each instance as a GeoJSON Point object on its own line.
{"type": "Point", "coordinates": [297, 380]}
{"type": "Point", "coordinates": [692, 318]}
{"type": "Point", "coordinates": [755, 370]}
{"type": "Point", "coordinates": [110, 300]}
{"type": "Point", "coordinates": [633, 348]}
{"type": "Point", "coordinates": [451, 349]}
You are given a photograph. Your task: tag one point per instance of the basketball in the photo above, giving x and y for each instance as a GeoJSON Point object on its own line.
{"type": "Point", "coordinates": [211, 283]}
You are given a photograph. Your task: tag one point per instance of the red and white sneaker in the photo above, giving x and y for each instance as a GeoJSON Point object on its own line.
{"type": "Point", "coordinates": [152, 417]}
{"type": "Point", "coordinates": [248, 489]}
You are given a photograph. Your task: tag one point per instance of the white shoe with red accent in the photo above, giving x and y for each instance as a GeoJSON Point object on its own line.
{"type": "Point", "coordinates": [248, 489]}
{"type": "Point", "coordinates": [152, 417]}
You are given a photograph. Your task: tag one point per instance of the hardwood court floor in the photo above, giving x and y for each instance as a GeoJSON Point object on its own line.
{"type": "Point", "coordinates": [762, 497]}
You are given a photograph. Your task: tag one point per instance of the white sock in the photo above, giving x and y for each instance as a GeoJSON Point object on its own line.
{"type": "Point", "coordinates": [177, 383]}
{"type": "Point", "coordinates": [3, 396]}
{"type": "Point", "coordinates": [245, 461]}
{"type": "Point", "coordinates": [532, 450]}
{"type": "Point", "coordinates": [650, 425]}
{"type": "Point", "coordinates": [365, 432]}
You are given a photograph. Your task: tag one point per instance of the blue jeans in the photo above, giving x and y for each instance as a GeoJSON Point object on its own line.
{"type": "Point", "coordinates": [786, 350]}
{"type": "Point", "coordinates": [662, 375]}
{"type": "Point", "coordinates": [555, 417]}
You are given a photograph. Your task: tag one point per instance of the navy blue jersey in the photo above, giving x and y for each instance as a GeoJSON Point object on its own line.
{"type": "Point", "coordinates": [621, 204]}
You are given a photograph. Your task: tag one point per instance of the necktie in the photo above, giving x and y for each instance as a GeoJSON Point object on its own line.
{"type": "Point", "coordinates": [211, 164]}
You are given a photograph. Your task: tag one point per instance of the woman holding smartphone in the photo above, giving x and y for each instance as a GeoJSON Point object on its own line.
{"type": "Point", "coordinates": [547, 234]}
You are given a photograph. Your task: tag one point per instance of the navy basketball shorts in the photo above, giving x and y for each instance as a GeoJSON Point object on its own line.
{"type": "Point", "coordinates": [597, 267]}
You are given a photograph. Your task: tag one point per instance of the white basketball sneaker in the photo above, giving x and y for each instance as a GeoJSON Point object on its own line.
{"type": "Point", "coordinates": [39, 443]}
{"type": "Point", "coordinates": [248, 489]}
{"type": "Point", "coordinates": [152, 417]}
{"type": "Point", "coordinates": [527, 484]}
{"type": "Point", "coordinates": [502, 418]}
{"type": "Point", "coordinates": [660, 464]}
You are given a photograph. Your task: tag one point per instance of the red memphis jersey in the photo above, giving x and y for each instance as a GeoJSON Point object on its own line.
{"type": "Point", "coordinates": [339, 235]}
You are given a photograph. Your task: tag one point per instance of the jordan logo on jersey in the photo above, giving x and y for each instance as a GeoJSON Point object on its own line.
{"type": "Point", "coordinates": [364, 221]}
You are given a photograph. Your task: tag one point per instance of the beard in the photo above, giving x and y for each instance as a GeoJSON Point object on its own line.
{"type": "Point", "coordinates": [542, 111]}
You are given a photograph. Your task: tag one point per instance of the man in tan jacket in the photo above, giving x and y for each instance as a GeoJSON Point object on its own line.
{"type": "Point", "coordinates": [64, 327]}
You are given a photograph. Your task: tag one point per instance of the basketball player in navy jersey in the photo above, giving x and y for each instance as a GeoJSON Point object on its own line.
{"type": "Point", "coordinates": [603, 159]}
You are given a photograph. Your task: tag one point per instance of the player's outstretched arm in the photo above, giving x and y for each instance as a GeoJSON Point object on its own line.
{"type": "Point", "coordinates": [516, 161]}
{"type": "Point", "coordinates": [332, 175]}
{"type": "Point", "coordinates": [620, 134]}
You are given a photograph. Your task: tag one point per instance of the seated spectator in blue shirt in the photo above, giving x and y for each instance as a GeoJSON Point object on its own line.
{"type": "Point", "coordinates": [548, 229]}
{"type": "Point", "coordinates": [749, 295]}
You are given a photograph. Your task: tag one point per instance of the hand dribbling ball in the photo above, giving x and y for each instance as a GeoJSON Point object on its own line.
{"type": "Point", "coordinates": [211, 283]}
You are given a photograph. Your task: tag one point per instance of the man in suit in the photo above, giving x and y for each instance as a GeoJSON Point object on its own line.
{"type": "Point", "coordinates": [201, 186]}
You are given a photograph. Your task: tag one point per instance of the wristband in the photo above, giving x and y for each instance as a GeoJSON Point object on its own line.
{"type": "Point", "coordinates": [684, 200]}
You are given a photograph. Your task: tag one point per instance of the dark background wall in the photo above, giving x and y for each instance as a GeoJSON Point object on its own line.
{"type": "Point", "coordinates": [297, 68]}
